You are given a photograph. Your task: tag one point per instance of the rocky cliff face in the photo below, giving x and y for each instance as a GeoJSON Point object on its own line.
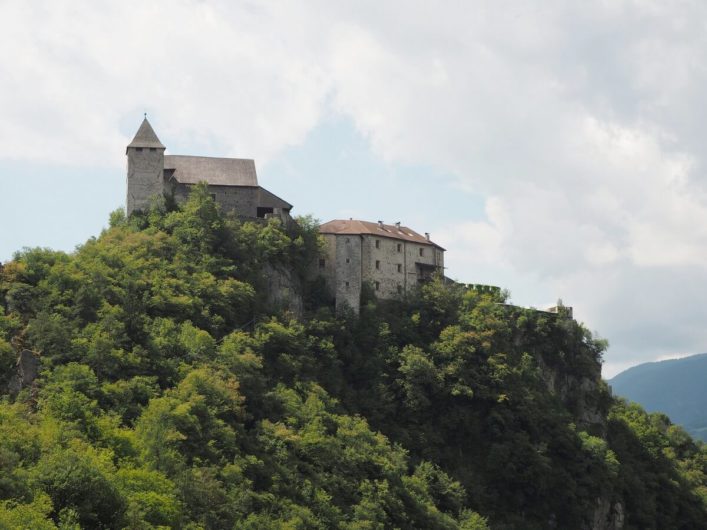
{"type": "Point", "coordinates": [607, 516]}
{"type": "Point", "coordinates": [284, 290]}
{"type": "Point", "coordinates": [588, 398]}
{"type": "Point", "coordinates": [27, 370]}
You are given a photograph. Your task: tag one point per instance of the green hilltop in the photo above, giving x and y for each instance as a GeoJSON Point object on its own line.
{"type": "Point", "coordinates": [160, 386]}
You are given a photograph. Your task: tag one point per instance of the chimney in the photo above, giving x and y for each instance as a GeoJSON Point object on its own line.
{"type": "Point", "coordinates": [427, 236]}
{"type": "Point", "coordinates": [397, 225]}
{"type": "Point", "coordinates": [380, 224]}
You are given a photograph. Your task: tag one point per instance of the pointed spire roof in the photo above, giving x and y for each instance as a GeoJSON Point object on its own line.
{"type": "Point", "coordinates": [146, 137]}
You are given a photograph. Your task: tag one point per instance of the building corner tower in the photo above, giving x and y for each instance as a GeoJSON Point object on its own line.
{"type": "Point", "coordinates": [145, 176]}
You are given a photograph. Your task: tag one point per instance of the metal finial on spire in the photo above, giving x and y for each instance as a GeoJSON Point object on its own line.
{"type": "Point", "coordinates": [145, 115]}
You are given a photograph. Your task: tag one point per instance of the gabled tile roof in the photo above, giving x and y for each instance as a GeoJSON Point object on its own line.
{"type": "Point", "coordinates": [356, 227]}
{"type": "Point", "coordinates": [215, 171]}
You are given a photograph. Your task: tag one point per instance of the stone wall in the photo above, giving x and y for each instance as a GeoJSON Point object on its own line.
{"type": "Point", "coordinates": [388, 265]}
{"type": "Point", "coordinates": [348, 278]}
{"type": "Point", "coordinates": [326, 265]}
{"type": "Point", "coordinates": [392, 263]}
{"type": "Point", "coordinates": [242, 199]}
{"type": "Point", "coordinates": [144, 177]}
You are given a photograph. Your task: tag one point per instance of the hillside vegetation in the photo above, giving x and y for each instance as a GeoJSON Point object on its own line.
{"type": "Point", "coordinates": [172, 394]}
{"type": "Point", "coordinates": [675, 387]}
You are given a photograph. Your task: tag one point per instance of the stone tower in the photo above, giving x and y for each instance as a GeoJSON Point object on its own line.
{"type": "Point", "coordinates": [145, 168]}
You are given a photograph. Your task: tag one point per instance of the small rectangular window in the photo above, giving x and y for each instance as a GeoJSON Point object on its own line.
{"type": "Point", "coordinates": [262, 211]}
{"type": "Point", "coordinates": [378, 264]}
{"type": "Point", "coordinates": [153, 149]}
{"type": "Point", "coordinates": [213, 196]}
{"type": "Point", "coordinates": [348, 260]}
{"type": "Point", "coordinates": [400, 268]}
{"type": "Point", "coordinates": [138, 149]}
{"type": "Point", "coordinates": [347, 285]}
{"type": "Point", "coordinates": [422, 252]}
{"type": "Point", "coordinates": [378, 286]}
{"type": "Point", "coordinates": [322, 263]}
{"type": "Point", "coordinates": [378, 243]}
{"type": "Point", "coordinates": [400, 247]}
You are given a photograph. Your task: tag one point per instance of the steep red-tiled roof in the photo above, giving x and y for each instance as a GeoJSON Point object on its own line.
{"type": "Point", "coordinates": [356, 227]}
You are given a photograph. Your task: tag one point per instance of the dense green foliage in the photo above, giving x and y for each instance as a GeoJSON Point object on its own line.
{"type": "Point", "coordinates": [675, 387]}
{"type": "Point", "coordinates": [174, 395]}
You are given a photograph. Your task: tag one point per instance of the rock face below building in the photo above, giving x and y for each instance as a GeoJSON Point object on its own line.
{"type": "Point", "coordinates": [26, 372]}
{"type": "Point", "coordinates": [284, 290]}
{"type": "Point", "coordinates": [391, 259]}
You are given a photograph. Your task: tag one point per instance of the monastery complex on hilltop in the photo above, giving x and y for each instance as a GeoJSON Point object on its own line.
{"type": "Point", "coordinates": [391, 259]}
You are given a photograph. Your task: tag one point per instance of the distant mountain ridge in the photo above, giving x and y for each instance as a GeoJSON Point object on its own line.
{"type": "Point", "coordinates": [676, 387]}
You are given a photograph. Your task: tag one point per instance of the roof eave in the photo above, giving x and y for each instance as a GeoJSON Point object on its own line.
{"type": "Point", "coordinates": [278, 198]}
{"type": "Point", "coordinates": [387, 235]}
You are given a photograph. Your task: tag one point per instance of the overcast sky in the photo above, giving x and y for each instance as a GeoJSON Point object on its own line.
{"type": "Point", "coordinates": [555, 148]}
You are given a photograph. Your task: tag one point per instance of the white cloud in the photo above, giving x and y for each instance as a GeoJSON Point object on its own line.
{"type": "Point", "coordinates": [582, 124]}
{"type": "Point", "coordinates": [244, 78]}
{"type": "Point", "coordinates": [566, 119]}
{"type": "Point", "coordinates": [479, 242]}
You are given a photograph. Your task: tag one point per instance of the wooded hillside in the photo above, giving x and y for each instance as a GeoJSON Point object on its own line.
{"type": "Point", "coordinates": [170, 394]}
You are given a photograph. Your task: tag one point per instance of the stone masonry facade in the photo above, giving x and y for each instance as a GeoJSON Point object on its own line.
{"type": "Point", "coordinates": [232, 182]}
{"type": "Point", "coordinates": [391, 259]}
